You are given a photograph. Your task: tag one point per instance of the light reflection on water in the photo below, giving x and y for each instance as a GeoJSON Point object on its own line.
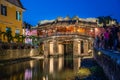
{"type": "Point", "coordinates": [47, 69]}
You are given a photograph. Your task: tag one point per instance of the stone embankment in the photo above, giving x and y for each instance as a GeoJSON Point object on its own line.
{"type": "Point", "coordinates": [12, 54]}
{"type": "Point", "coordinates": [109, 61]}
{"type": "Point", "coordinates": [14, 51]}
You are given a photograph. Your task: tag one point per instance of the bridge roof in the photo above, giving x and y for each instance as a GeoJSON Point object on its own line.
{"type": "Point", "coordinates": [67, 22]}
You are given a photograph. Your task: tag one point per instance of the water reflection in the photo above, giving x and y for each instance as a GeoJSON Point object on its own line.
{"type": "Point", "coordinates": [28, 74]}
{"type": "Point", "coordinates": [47, 69]}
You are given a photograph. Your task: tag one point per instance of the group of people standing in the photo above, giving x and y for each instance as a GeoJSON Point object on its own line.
{"type": "Point", "coordinates": [109, 39]}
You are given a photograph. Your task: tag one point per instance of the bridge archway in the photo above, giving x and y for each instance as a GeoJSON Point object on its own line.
{"type": "Point", "coordinates": [82, 47]}
{"type": "Point", "coordinates": [73, 47]}
{"type": "Point", "coordinates": [68, 48]}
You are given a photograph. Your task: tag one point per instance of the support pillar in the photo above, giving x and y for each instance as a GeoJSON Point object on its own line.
{"type": "Point", "coordinates": [53, 48]}
{"type": "Point", "coordinates": [46, 48]}
{"type": "Point", "coordinates": [90, 47]}
{"type": "Point", "coordinates": [75, 48]}
{"type": "Point", "coordinates": [60, 49]}
{"type": "Point", "coordinates": [79, 47]}
{"type": "Point", "coordinates": [77, 63]}
{"type": "Point", "coordinates": [85, 47]}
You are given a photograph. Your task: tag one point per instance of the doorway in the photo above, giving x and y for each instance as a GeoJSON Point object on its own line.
{"type": "Point", "coordinates": [68, 48]}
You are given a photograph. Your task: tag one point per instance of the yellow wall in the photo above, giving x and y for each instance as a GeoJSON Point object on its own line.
{"type": "Point", "coordinates": [10, 19]}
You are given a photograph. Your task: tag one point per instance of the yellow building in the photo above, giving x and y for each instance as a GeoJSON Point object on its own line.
{"type": "Point", "coordinates": [11, 12]}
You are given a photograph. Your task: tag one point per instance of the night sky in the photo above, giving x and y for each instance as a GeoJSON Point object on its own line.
{"type": "Point", "coordinates": [37, 10]}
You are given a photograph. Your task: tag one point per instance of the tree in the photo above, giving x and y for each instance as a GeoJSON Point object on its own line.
{"type": "Point", "coordinates": [22, 38]}
{"type": "Point", "coordinates": [1, 35]}
{"type": "Point", "coordinates": [8, 34]}
{"type": "Point", "coordinates": [105, 20]}
{"type": "Point", "coordinates": [108, 19]}
{"type": "Point", "coordinates": [17, 36]}
{"type": "Point", "coordinates": [34, 40]}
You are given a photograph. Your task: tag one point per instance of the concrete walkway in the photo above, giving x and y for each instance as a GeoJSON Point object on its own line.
{"type": "Point", "coordinates": [114, 55]}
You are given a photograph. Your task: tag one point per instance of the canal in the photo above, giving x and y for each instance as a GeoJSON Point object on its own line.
{"type": "Point", "coordinates": [47, 69]}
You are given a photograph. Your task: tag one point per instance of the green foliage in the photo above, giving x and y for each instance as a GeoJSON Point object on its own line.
{"type": "Point", "coordinates": [34, 40]}
{"type": "Point", "coordinates": [8, 34]}
{"type": "Point", "coordinates": [105, 19]}
{"type": "Point", "coordinates": [96, 70]}
{"type": "Point", "coordinates": [20, 38]}
{"type": "Point", "coordinates": [84, 72]}
{"type": "Point", "coordinates": [17, 36]}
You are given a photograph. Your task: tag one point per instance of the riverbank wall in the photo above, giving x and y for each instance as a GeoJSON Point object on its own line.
{"type": "Point", "coordinates": [12, 54]}
{"type": "Point", "coordinates": [109, 61]}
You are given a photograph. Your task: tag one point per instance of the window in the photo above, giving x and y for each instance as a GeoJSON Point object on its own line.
{"type": "Point", "coordinates": [18, 15]}
{"type": "Point", "coordinates": [3, 10]}
{"type": "Point", "coordinates": [17, 31]}
{"type": "Point", "coordinates": [8, 29]}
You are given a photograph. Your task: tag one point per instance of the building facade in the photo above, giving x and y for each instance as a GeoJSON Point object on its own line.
{"type": "Point", "coordinates": [30, 33]}
{"type": "Point", "coordinates": [11, 13]}
{"type": "Point", "coordinates": [65, 36]}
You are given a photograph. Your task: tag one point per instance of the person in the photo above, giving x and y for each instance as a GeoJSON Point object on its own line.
{"type": "Point", "coordinates": [110, 40]}
{"type": "Point", "coordinates": [119, 39]}
{"type": "Point", "coordinates": [106, 38]}
{"type": "Point", "coordinates": [115, 31]}
{"type": "Point", "coordinates": [97, 41]}
{"type": "Point", "coordinates": [101, 41]}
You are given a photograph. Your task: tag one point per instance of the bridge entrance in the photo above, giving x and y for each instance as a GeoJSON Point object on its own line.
{"type": "Point", "coordinates": [82, 47]}
{"type": "Point", "coordinates": [68, 48]}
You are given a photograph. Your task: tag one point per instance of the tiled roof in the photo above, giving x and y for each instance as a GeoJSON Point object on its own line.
{"type": "Point", "coordinates": [16, 2]}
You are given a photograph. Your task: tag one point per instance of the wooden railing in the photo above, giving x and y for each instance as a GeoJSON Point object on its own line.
{"type": "Point", "coordinates": [65, 34]}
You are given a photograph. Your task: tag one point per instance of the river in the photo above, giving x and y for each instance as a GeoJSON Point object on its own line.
{"type": "Point", "coordinates": [41, 69]}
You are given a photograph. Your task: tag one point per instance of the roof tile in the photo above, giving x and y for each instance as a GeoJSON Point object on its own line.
{"type": "Point", "coordinates": [17, 3]}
